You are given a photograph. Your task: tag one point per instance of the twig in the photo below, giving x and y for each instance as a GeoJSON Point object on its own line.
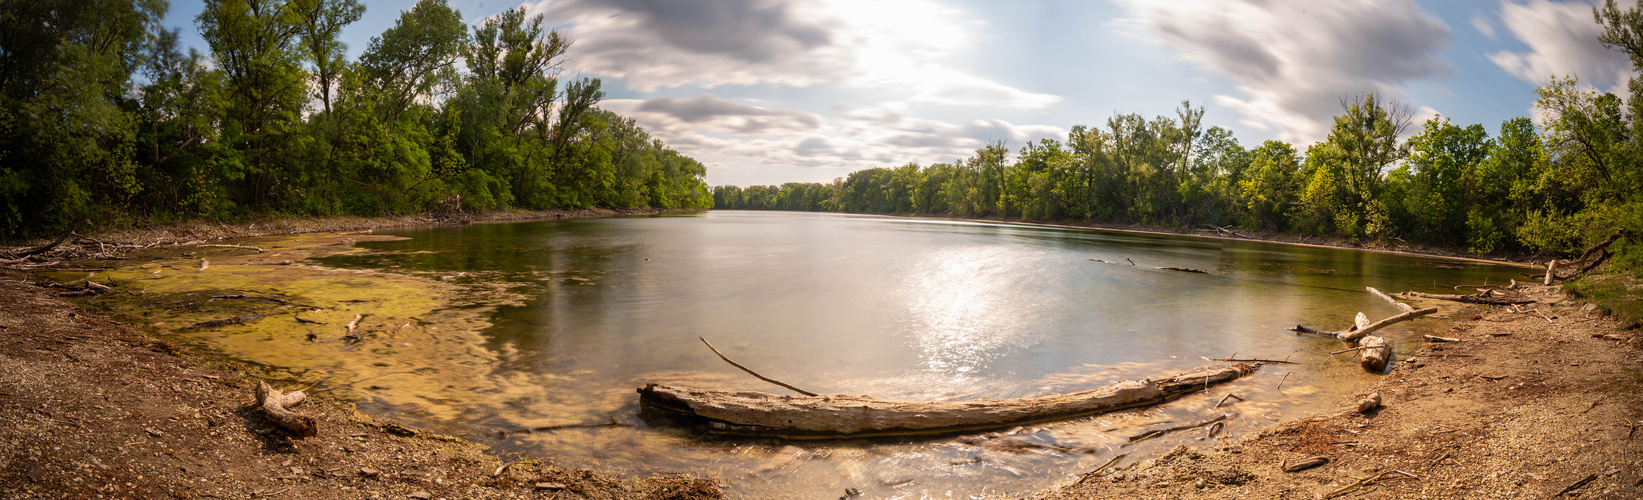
{"type": "Point", "coordinates": [548, 428]}
{"type": "Point", "coordinates": [1350, 349]}
{"type": "Point", "coordinates": [1160, 432]}
{"type": "Point", "coordinates": [753, 373]}
{"type": "Point", "coordinates": [1543, 316]}
{"type": "Point", "coordinates": [1130, 261]}
{"type": "Point", "coordinates": [1109, 463]}
{"type": "Point", "coordinates": [1578, 484]}
{"type": "Point", "coordinates": [1258, 360]}
{"type": "Point", "coordinates": [1224, 399]}
{"type": "Point", "coordinates": [1281, 381]}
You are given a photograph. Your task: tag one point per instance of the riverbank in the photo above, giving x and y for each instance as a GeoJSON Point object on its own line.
{"type": "Point", "coordinates": [1538, 402]}
{"type": "Point", "coordinates": [99, 409]}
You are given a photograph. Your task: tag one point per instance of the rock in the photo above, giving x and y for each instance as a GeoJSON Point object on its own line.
{"type": "Point", "coordinates": [369, 472]}
{"type": "Point", "coordinates": [1370, 403]}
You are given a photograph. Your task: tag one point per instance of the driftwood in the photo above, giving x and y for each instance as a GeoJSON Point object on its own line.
{"type": "Point", "coordinates": [1478, 298]}
{"type": "Point", "coordinates": [243, 247]}
{"type": "Point", "coordinates": [1435, 338]}
{"type": "Point", "coordinates": [47, 247]}
{"type": "Point", "coordinates": [840, 416]}
{"type": "Point", "coordinates": [550, 428]}
{"type": "Point", "coordinates": [1600, 250]}
{"type": "Point", "coordinates": [1375, 353]}
{"type": "Point", "coordinates": [754, 373]}
{"type": "Point", "coordinates": [1184, 270]}
{"type": "Point", "coordinates": [1401, 306]}
{"type": "Point", "coordinates": [1304, 464]}
{"type": "Point", "coordinates": [1159, 432]}
{"type": "Point", "coordinates": [1371, 328]}
{"type": "Point", "coordinates": [276, 406]}
{"type": "Point", "coordinates": [354, 325]}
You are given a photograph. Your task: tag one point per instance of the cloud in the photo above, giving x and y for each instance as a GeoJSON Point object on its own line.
{"type": "Point", "coordinates": [1562, 41]}
{"type": "Point", "coordinates": [1480, 22]}
{"type": "Point", "coordinates": [714, 129]}
{"type": "Point", "coordinates": [1295, 59]}
{"type": "Point", "coordinates": [911, 46]}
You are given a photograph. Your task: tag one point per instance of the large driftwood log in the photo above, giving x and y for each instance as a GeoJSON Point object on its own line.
{"type": "Point", "coordinates": [1373, 353]}
{"type": "Point", "coordinates": [276, 405]}
{"type": "Point", "coordinates": [840, 416]}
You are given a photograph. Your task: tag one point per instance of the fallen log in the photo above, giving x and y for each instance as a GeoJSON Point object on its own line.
{"type": "Point", "coordinates": [1374, 353]}
{"type": "Point", "coordinates": [276, 406]}
{"type": "Point", "coordinates": [1401, 306]}
{"type": "Point", "coordinates": [46, 247]}
{"type": "Point", "coordinates": [1184, 270]}
{"type": "Point", "coordinates": [1366, 330]}
{"type": "Point", "coordinates": [1480, 298]}
{"type": "Point", "coordinates": [753, 413]}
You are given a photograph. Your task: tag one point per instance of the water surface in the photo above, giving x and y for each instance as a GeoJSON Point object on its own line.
{"type": "Point", "coordinates": [887, 307]}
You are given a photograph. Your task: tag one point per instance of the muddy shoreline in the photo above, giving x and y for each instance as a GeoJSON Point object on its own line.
{"type": "Point", "coordinates": [184, 427]}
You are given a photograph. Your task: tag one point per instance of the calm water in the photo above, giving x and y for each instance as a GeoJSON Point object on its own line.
{"type": "Point", "coordinates": [888, 307]}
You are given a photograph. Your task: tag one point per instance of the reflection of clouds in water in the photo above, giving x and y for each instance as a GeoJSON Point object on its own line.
{"type": "Point", "coordinates": [968, 305]}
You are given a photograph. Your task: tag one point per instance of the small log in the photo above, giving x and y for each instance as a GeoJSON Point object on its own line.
{"type": "Point", "coordinates": [276, 406]}
{"type": "Point", "coordinates": [1305, 464]}
{"type": "Point", "coordinates": [1184, 270]}
{"type": "Point", "coordinates": [1480, 298]}
{"type": "Point", "coordinates": [1401, 306]}
{"type": "Point", "coordinates": [1361, 332]}
{"type": "Point", "coordinates": [1551, 272]}
{"type": "Point", "coordinates": [353, 325]}
{"type": "Point", "coordinates": [1375, 353]}
{"type": "Point", "coordinates": [1369, 403]}
{"type": "Point", "coordinates": [1360, 322]}
{"type": "Point", "coordinates": [1435, 338]}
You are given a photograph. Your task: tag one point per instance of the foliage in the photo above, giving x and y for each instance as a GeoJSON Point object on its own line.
{"type": "Point", "coordinates": [103, 115]}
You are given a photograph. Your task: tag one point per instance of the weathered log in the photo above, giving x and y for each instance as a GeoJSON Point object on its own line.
{"type": "Point", "coordinates": [46, 247]}
{"type": "Point", "coordinates": [1359, 322]}
{"type": "Point", "coordinates": [1551, 272]}
{"type": "Point", "coordinates": [1401, 306]}
{"type": "Point", "coordinates": [1480, 298]}
{"type": "Point", "coordinates": [1361, 332]}
{"type": "Point", "coordinates": [841, 416]}
{"type": "Point", "coordinates": [276, 406]}
{"type": "Point", "coordinates": [1435, 338]}
{"type": "Point", "coordinates": [1374, 353]}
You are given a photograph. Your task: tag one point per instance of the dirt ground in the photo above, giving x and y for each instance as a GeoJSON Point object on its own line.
{"type": "Point", "coordinates": [1540, 403]}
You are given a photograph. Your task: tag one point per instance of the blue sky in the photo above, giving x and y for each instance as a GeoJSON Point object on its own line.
{"type": "Point", "coordinates": [772, 91]}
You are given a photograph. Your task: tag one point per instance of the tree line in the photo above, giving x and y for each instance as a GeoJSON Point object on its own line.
{"type": "Point", "coordinates": [103, 114]}
{"type": "Point", "coordinates": [1549, 190]}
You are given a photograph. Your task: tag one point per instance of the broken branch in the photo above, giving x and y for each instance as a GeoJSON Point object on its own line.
{"type": "Point", "coordinates": [753, 373]}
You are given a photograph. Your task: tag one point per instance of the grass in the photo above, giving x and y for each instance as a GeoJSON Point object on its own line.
{"type": "Point", "coordinates": [1618, 294]}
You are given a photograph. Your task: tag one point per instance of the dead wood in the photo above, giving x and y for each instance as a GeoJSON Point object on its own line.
{"type": "Point", "coordinates": [1375, 353]}
{"type": "Point", "coordinates": [841, 416]}
{"type": "Point", "coordinates": [1578, 485]}
{"type": "Point", "coordinates": [1159, 432]}
{"type": "Point", "coordinates": [1257, 360]}
{"type": "Point", "coordinates": [1349, 349]}
{"type": "Point", "coordinates": [243, 247]}
{"type": "Point", "coordinates": [1361, 332]}
{"type": "Point", "coordinates": [754, 373]}
{"type": "Point", "coordinates": [1479, 298]}
{"type": "Point", "coordinates": [1434, 338]}
{"type": "Point", "coordinates": [237, 320]}
{"type": "Point", "coordinates": [304, 321]}
{"type": "Point", "coordinates": [353, 325]}
{"type": "Point", "coordinates": [1226, 397]}
{"type": "Point", "coordinates": [550, 428]}
{"type": "Point", "coordinates": [1305, 464]}
{"type": "Point", "coordinates": [276, 406]}
{"type": "Point", "coordinates": [1401, 306]}
{"type": "Point", "coordinates": [1184, 270]}
{"type": "Point", "coordinates": [47, 247]}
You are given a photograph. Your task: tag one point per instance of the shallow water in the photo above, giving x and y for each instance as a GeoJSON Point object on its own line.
{"type": "Point", "coordinates": [558, 322]}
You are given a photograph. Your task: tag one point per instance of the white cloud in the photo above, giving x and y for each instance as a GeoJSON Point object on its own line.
{"type": "Point", "coordinates": [1293, 60]}
{"type": "Point", "coordinates": [721, 131]}
{"type": "Point", "coordinates": [1480, 22]}
{"type": "Point", "coordinates": [1562, 41]}
{"type": "Point", "coordinates": [911, 46]}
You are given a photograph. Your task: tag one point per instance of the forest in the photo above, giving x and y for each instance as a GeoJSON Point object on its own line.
{"type": "Point", "coordinates": [1547, 189]}
{"type": "Point", "coordinates": [103, 116]}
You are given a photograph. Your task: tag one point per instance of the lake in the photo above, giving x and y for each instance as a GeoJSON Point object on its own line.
{"type": "Point", "coordinates": [571, 316]}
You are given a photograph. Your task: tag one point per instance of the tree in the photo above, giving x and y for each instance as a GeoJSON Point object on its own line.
{"type": "Point", "coordinates": [319, 23]}
{"type": "Point", "coordinates": [411, 59]}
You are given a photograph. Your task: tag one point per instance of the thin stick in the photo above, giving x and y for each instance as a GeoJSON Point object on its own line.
{"type": "Point", "coordinates": [1577, 485]}
{"type": "Point", "coordinates": [1350, 349]}
{"type": "Point", "coordinates": [1224, 399]}
{"type": "Point", "coordinates": [1258, 360]}
{"type": "Point", "coordinates": [1109, 463]}
{"type": "Point", "coordinates": [1281, 381]}
{"type": "Point", "coordinates": [1543, 316]}
{"type": "Point", "coordinates": [753, 373]}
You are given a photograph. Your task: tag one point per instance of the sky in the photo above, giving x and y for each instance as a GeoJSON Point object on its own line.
{"type": "Point", "coordinates": [774, 91]}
